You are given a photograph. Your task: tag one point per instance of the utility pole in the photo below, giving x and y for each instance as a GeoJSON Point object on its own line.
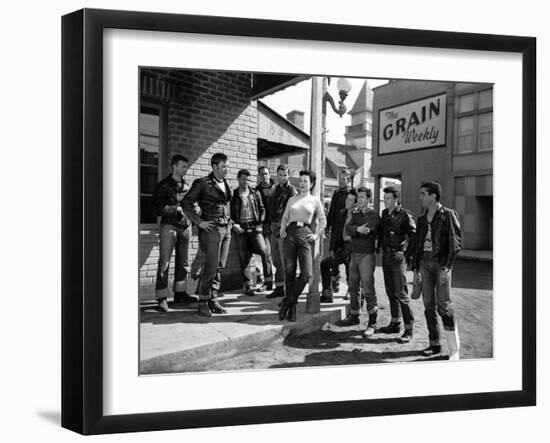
{"type": "Point", "coordinates": [316, 164]}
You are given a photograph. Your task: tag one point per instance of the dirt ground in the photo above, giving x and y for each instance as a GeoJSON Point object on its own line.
{"type": "Point", "coordinates": [472, 298]}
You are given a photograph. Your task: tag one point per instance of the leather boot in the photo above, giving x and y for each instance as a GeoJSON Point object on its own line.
{"type": "Point", "coordinates": [215, 307]}
{"type": "Point", "coordinates": [285, 305]}
{"type": "Point", "coordinates": [278, 292]}
{"type": "Point", "coordinates": [292, 312]}
{"type": "Point", "coordinates": [393, 328]}
{"type": "Point", "coordinates": [204, 310]}
{"type": "Point", "coordinates": [326, 296]}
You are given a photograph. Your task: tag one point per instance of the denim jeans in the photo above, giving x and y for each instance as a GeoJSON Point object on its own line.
{"type": "Point", "coordinates": [330, 264]}
{"type": "Point", "coordinates": [267, 261]}
{"type": "Point", "coordinates": [361, 270]}
{"type": "Point", "coordinates": [297, 250]}
{"type": "Point", "coordinates": [172, 237]}
{"type": "Point", "coordinates": [436, 297]}
{"type": "Point", "coordinates": [215, 245]}
{"type": "Point", "coordinates": [277, 254]}
{"type": "Point", "coordinates": [250, 243]}
{"type": "Point", "coordinates": [394, 266]}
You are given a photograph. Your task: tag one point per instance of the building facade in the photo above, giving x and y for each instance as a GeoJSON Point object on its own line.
{"type": "Point", "coordinates": [442, 131]}
{"type": "Point", "coordinates": [196, 114]}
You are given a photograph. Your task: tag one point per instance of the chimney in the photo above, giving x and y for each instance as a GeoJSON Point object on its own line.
{"type": "Point", "coordinates": [296, 117]}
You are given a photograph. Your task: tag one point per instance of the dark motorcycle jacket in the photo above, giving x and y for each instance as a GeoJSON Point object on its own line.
{"type": "Point", "coordinates": [276, 203]}
{"type": "Point", "coordinates": [446, 237]}
{"type": "Point", "coordinates": [397, 232]}
{"type": "Point", "coordinates": [266, 192]}
{"type": "Point", "coordinates": [166, 202]}
{"type": "Point", "coordinates": [212, 201]}
{"type": "Point", "coordinates": [256, 204]}
{"type": "Point", "coordinates": [335, 222]}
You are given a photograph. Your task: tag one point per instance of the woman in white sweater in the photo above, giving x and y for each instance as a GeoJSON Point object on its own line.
{"type": "Point", "coordinates": [303, 222]}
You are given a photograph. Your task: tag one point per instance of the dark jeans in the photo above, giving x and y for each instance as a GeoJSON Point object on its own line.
{"type": "Point", "coordinates": [436, 297]}
{"type": "Point", "coordinates": [172, 237]}
{"type": "Point", "coordinates": [329, 265]}
{"type": "Point", "coordinates": [250, 243]}
{"type": "Point", "coordinates": [277, 254]}
{"type": "Point", "coordinates": [394, 266]}
{"type": "Point", "coordinates": [361, 270]}
{"type": "Point", "coordinates": [215, 245]}
{"type": "Point", "coordinates": [297, 250]}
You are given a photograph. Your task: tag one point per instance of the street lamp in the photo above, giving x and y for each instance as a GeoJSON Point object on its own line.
{"type": "Point", "coordinates": [319, 97]}
{"type": "Point", "coordinates": [344, 88]}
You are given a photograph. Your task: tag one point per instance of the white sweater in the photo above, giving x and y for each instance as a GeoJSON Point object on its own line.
{"type": "Point", "coordinates": [304, 208]}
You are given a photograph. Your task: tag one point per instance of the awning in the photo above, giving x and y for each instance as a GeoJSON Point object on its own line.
{"type": "Point", "coordinates": [266, 84]}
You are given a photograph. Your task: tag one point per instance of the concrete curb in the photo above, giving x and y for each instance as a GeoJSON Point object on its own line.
{"type": "Point", "coordinates": [192, 359]}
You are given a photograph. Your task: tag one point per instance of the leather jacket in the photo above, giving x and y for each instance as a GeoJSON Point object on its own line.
{"type": "Point", "coordinates": [166, 200]}
{"type": "Point", "coordinates": [363, 243]}
{"type": "Point", "coordinates": [213, 202]}
{"type": "Point", "coordinates": [335, 222]}
{"type": "Point", "coordinates": [266, 192]}
{"type": "Point", "coordinates": [397, 232]}
{"type": "Point", "coordinates": [256, 205]}
{"type": "Point", "coordinates": [277, 201]}
{"type": "Point", "coordinates": [446, 237]}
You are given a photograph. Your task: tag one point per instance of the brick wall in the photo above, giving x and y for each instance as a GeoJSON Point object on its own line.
{"type": "Point", "coordinates": [206, 112]}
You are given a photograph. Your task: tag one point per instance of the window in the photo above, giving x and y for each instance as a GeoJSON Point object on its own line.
{"type": "Point", "coordinates": [466, 103]}
{"type": "Point", "coordinates": [474, 122]}
{"type": "Point", "coordinates": [465, 134]}
{"type": "Point", "coordinates": [150, 150]}
{"type": "Point", "coordinates": [485, 131]}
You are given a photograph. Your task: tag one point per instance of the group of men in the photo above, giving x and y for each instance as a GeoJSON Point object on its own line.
{"type": "Point", "coordinates": [252, 215]}
{"type": "Point", "coordinates": [429, 246]}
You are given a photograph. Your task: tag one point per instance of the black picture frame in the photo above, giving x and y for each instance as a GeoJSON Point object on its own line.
{"type": "Point", "coordinates": [82, 131]}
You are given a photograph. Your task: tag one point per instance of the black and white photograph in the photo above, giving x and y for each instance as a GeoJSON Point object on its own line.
{"type": "Point", "coordinates": [298, 220]}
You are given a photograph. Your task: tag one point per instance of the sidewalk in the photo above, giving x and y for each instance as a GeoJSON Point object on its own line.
{"type": "Point", "coordinates": [468, 254]}
{"type": "Point", "coordinates": [180, 340]}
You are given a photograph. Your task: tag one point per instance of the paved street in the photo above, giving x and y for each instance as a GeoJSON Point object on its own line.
{"type": "Point", "coordinates": [473, 302]}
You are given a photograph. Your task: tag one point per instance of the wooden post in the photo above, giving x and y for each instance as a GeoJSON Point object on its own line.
{"type": "Point", "coordinates": [316, 157]}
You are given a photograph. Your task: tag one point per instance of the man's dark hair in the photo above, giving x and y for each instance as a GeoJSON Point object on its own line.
{"type": "Point", "coordinates": [311, 175]}
{"type": "Point", "coordinates": [178, 158]}
{"type": "Point", "coordinates": [243, 172]}
{"type": "Point", "coordinates": [218, 158]}
{"type": "Point", "coordinates": [432, 188]}
{"type": "Point", "coordinates": [353, 192]}
{"type": "Point", "coordinates": [282, 167]}
{"type": "Point", "coordinates": [262, 167]}
{"type": "Point", "coordinates": [348, 170]}
{"type": "Point", "coordinates": [394, 191]}
{"type": "Point", "coordinates": [366, 190]}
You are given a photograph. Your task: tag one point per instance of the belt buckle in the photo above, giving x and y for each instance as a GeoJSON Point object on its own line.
{"type": "Point", "coordinates": [300, 224]}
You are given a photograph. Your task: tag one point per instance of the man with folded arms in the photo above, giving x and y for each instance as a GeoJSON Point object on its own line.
{"type": "Point", "coordinates": [363, 227]}
{"type": "Point", "coordinates": [248, 215]}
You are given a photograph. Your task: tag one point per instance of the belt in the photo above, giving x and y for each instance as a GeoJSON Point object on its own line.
{"type": "Point", "coordinates": [298, 224]}
{"type": "Point", "coordinates": [391, 250]}
{"type": "Point", "coordinates": [246, 225]}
